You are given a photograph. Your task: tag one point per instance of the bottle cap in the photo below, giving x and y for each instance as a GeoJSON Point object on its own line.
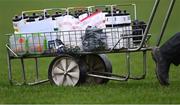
{"type": "Point", "coordinates": [34, 15]}
{"type": "Point", "coordinates": [41, 17]}
{"type": "Point", "coordinates": [30, 20]}
{"type": "Point", "coordinates": [16, 18]}
{"type": "Point", "coordinates": [47, 15]}
{"type": "Point", "coordinates": [25, 16]}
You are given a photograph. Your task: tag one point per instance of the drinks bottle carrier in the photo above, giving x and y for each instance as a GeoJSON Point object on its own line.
{"type": "Point", "coordinates": [79, 53]}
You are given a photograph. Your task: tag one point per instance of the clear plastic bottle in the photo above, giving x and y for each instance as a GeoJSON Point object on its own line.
{"type": "Point", "coordinates": [17, 21]}
{"type": "Point", "coordinates": [25, 16]}
{"type": "Point", "coordinates": [109, 19]}
{"type": "Point", "coordinates": [18, 44]}
{"type": "Point", "coordinates": [34, 17]}
{"type": "Point", "coordinates": [36, 43]}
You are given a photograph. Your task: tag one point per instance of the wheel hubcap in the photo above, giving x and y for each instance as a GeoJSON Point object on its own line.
{"type": "Point", "coordinates": [66, 72]}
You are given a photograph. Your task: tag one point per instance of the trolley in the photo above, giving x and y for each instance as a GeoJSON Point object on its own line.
{"type": "Point", "coordinates": [78, 59]}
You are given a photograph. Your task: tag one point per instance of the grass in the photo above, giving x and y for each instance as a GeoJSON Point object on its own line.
{"type": "Point", "coordinates": [136, 92]}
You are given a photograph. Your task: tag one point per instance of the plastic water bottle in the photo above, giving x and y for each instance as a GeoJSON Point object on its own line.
{"type": "Point", "coordinates": [34, 16]}
{"type": "Point", "coordinates": [17, 20]}
{"type": "Point", "coordinates": [18, 44]}
{"type": "Point", "coordinates": [109, 19]}
{"type": "Point", "coordinates": [47, 15]}
{"type": "Point", "coordinates": [76, 15]}
{"type": "Point", "coordinates": [36, 43]}
{"type": "Point", "coordinates": [25, 16]}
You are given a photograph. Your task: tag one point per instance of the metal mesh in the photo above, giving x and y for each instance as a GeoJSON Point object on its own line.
{"type": "Point", "coordinates": [71, 41]}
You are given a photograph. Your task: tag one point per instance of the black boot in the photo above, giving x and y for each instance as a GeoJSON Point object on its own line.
{"type": "Point", "coordinates": [162, 67]}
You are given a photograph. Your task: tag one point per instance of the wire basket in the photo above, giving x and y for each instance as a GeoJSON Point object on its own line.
{"type": "Point", "coordinates": [108, 39]}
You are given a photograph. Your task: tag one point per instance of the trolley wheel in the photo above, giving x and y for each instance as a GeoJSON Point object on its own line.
{"type": "Point", "coordinates": [66, 71]}
{"type": "Point", "coordinates": [99, 63]}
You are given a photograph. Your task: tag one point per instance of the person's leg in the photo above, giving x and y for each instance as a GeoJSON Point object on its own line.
{"type": "Point", "coordinates": [170, 50]}
{"type": "Point", "coordinates": [162, 66]}
{"type": "Point", "coordinates": [168, 53]}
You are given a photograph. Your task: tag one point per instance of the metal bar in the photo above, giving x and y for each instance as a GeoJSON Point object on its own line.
{"type": "Point", "coordinates": [148, 25]}
{"type": "Point", "coordinates": [128, 37]}
{"type": "Point", "coordinates": [37, 69]}
{"type": "Point", "coordinates": [144, 64]}
{"type": "Point", "coordinates": [49, 9]}
{"type": "Point", "coordinates": [17, 83]}
{"type": "Point", "coordinates": [128, 65]}
{"type": "Point", "coordinates": [116, 44]}
{"type": "Point", "coordinates": [110, 78]}
{"type": "Point", "coordinates": [163, 28]}
{"type": "Point", "coordinates": [144, 68]}
{"type": "Point", "coordinates": [40, 10]}
{"type": "Point", "coordinates": [9, 68]}
{"type": "Point", "coordinates": [23, 71]}
{"type": "Point", "coordinates": [115, 76]}
{"type": "Point", "coordinates": [38, 82]}
{"type": "Point", "coordinates": [130, 4]}
{"type": "Point", "coordinates": [135, 11]}
{"type": "Point", "coordinates": [83, 53]}
{"type": "Point", "coordinates": [30, 83]}
{"type": "Point", "coordinates": [106, 74]}
{"type": "Point", "coordinates": [9, 49]}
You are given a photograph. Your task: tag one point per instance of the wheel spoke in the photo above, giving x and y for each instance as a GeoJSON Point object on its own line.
{"type": "Point", "coordinates": [68, 81]}
{"type": "Point", "coordinates": [63, 63]}
{"type": "Point", "coordinates": [59, 79]}
{"type": "Point", "coordinates": [74, 74]}
{"type": "Point", "coordinates": [58, 71]}
{"type": "Point", "coordinates": [58, 64]}
{"type": "Point", "coordinates": [72, 65]}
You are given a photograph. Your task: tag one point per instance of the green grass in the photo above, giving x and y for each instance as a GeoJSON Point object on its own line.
{"type": "Point", "coordinates": [144, 91]}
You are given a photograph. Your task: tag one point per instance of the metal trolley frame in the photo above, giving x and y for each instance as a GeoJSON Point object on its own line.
{"type": "Point", "coordinates": [98, 76]}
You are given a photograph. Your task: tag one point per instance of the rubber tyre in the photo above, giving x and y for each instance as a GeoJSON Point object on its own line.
{"type": "Point", "coordinates": [94, 61]}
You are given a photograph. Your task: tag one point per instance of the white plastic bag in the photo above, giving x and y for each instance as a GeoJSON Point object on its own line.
{"type": "Point", "coordinates": [96, 19]}
{"type": "Point", "coordinates": [68, 23]}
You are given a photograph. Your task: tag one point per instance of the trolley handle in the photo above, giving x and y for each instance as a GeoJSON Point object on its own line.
{"type": "Point", "coordinates": [165, 22]}
{"type": "Point", "coordinates": [154, 10]}
{"type": "Point", "coordinates": [171, 5]}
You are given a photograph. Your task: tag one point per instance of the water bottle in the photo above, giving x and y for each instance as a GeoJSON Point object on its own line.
{"type": "Point", "coordinates": [25, 16]}
{"type": "Point", "coordinates": [36, 43]}
{"type": "Point", "coordinates": [109, 19]}
{"type": "Point", "coordinates": [47, 15]}
{"type": "Point", "coordinates": [76, 14]}
{"type": "Point", "coordinates": [18, 44]}
{"type": "Point", "coordinates": [17, 21]}
{"type": "Point", "coordinates": [56, 15]}
{"type": "Point", "coordinates": [34, 16]}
